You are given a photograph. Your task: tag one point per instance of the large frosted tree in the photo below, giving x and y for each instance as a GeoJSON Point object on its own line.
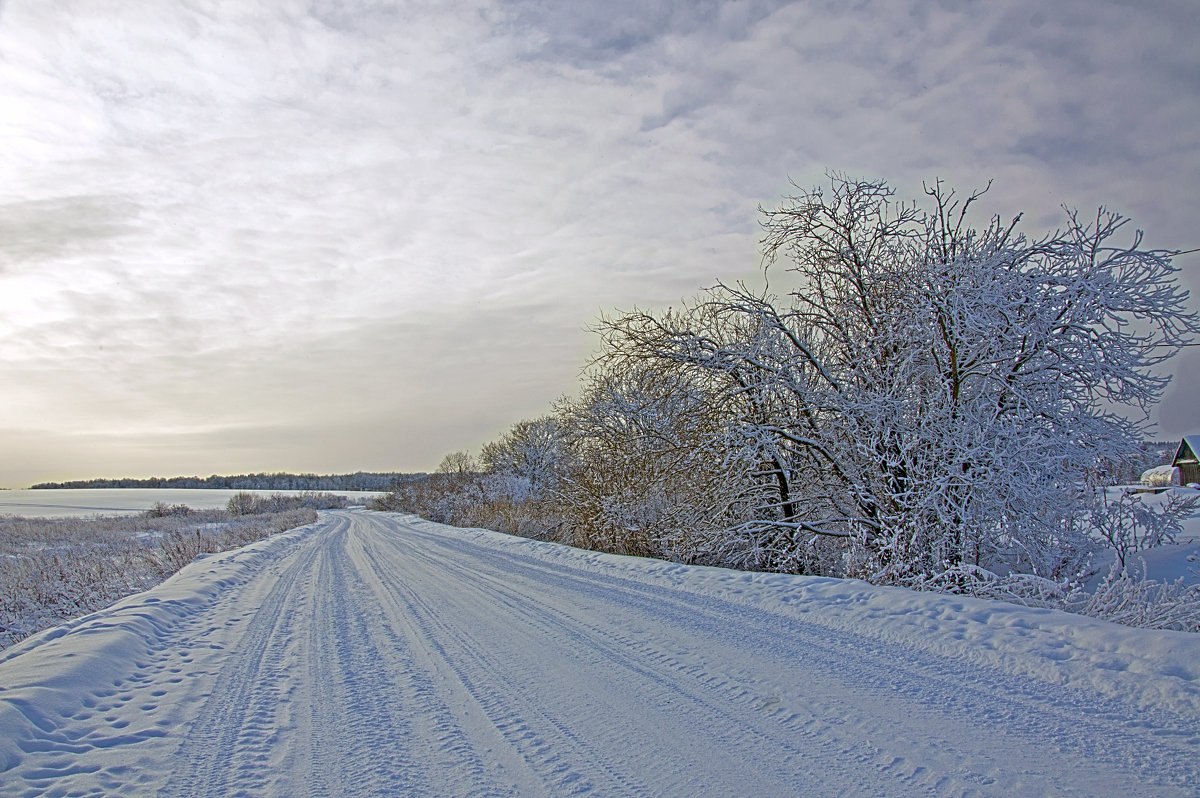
{"type": "Point", "coordinates": [931, 393]}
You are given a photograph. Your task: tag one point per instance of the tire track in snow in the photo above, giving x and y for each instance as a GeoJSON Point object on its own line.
{"type": "Point", "coordinates": [693, 730]}
{"type": "Point", "coordinates": [736, 725]}
{"type": "Point", "coordinates": [378, 654]}
{"type": "Point", "coordinates": [229, 746]}
{"type": "Point", "coordinates": [867, 677]}
{"type": "Point", "coordinates": [446, 702]}
{"type": "Point", "coordinates": [311, 700]}
{"type": "Point", "coordinates": [732, 710]}
{"type": "Point", "coordinates": [521, 720]}
{"type": "Point", "coordinates": [364, 738]}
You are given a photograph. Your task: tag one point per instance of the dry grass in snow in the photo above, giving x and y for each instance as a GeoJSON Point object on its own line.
{"type": "Point", "coordinates": [55, 569]}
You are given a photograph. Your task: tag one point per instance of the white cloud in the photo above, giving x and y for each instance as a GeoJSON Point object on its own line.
{"type": "Point", "coordinates": [208, 208]}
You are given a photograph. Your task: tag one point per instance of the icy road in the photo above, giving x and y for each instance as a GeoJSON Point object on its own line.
{"type": "Point", "coordinates": [376, 654]}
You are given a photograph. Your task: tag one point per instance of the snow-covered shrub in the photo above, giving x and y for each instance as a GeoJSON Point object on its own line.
{"type": "Point", "coordinates": [1121, 597]}
{"type": "Point", "coordinates": [1127, 523]}
{"type": "Point", "coordinates": [470, 499]}
{"type": "Point", "coordinates": [163, 510]}
{"type": "Point", "coordinates": [245, 503]}
{"type": "Point", "coordinates": [52, 570]}
{"type": "Point", "coordinates": [648, 472]}
{"type": "Point", "coordinates": [177, 549]}
{"type": "Point", "coordinates": [1137, 601]}
{"type": "Point", "coordinates": [1027, 590]}
{"type": "Point", "coordinates": [533, 452]}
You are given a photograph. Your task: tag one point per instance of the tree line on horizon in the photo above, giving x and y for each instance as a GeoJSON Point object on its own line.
{"type": "Point", "coordinates": [358, 481]}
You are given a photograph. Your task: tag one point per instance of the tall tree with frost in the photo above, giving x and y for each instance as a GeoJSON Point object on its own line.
{"type": "Point", "coordinates": [934, 394]}
{"type": "Point", "coordinates": [647, 475]}
{"type": "Point", "coordinates": [533, 452]}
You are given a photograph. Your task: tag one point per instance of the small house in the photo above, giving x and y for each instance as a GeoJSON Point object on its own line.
{"type": "Point", "coordinates": [1187, 460]}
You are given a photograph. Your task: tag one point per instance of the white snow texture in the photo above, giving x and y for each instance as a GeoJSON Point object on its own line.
{"type": "Point", "coordinates": [374, 653]}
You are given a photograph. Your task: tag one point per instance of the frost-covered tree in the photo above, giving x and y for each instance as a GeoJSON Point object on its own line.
{"type": "Point", "coordinates": [532, 452]}
{"type": "Point", "coordinates": [930, 393]}
{"type": "Point", "coordinates": [649, 473]}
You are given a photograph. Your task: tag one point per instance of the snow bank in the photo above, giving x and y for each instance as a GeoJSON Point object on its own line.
{"type": "Point", "coordinates": [68, 670]}
{"type": "Point", "coordinates": [1149, 669]}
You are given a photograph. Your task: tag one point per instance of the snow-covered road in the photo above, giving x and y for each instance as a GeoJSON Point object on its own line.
{"type": "Point", "coordinates": [376, 654]}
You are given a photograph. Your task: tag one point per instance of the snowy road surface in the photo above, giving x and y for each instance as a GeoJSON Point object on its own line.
{"type": "Point", "coordinates": [376, 654]}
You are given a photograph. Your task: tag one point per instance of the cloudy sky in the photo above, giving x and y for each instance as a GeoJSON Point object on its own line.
{"type": "Point", "coordinates": [332, 235]}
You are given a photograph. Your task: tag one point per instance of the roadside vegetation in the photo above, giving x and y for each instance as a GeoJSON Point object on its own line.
{"type": "Point", "coordinates": [909, 399]}
{"type": "Point", "coordinates": [56, 569]}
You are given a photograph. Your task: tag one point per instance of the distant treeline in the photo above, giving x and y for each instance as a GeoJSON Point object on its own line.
{"type": "Point", "coordinates": [357, 481]}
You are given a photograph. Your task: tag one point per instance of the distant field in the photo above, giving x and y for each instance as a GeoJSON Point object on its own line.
{"type": "Point", "coordinates": [81, 503]}
{"type": "Point", "coordinates": [96, 550]}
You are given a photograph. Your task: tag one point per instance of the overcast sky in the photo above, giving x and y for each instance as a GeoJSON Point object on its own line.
{"type": "Point", "coordinates": [333, 235]}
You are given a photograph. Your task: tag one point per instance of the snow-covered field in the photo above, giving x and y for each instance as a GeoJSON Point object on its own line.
{"type": "Point", "coordinates": [379, 654]}
{"type": "Point", "coordinates": [81, 502]}
{"type": "Point", "coordinates": [55, 569]}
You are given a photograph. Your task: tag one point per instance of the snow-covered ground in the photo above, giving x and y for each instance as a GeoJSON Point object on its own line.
{"type": "Point", "coordinates": [379, 654]}
{"type": "Point", "coordinates": [1171, 561]}
{"type": "Point", "coordinates": [83, 502]}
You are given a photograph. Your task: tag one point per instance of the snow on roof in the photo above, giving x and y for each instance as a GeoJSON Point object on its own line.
{"type": "Point", "coordinates": [1188, 451]}
{"type": "Point", "coordinates": [1163, 476]}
